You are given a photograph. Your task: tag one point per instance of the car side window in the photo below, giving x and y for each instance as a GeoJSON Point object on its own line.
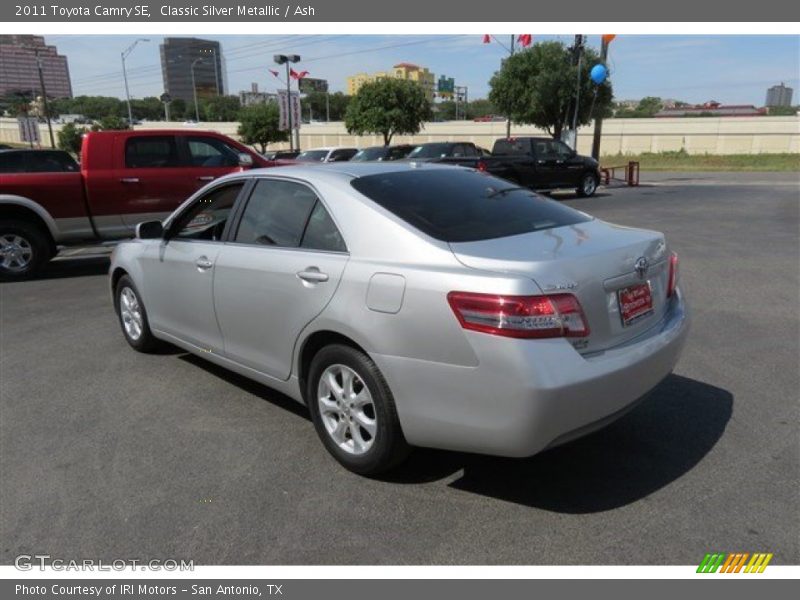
{"type": "Point", "coordinates": [276, 214]}
{"type": "Point", "coordinates": [211, 152]}
{"type": "Point", "coordinates": [206, 218]}
{"type": "Point", "coordinates": [12, 162]}
{"type": "Point", "coordinates": [562, 149]}
{"type": "Point", "coordinates": [321, 232]}
{"type": "Point", "coordinates": [151, 151]}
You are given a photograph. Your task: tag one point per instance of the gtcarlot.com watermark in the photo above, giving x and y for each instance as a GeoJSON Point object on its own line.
{"type": "Point", "coordinates": [42, 562]}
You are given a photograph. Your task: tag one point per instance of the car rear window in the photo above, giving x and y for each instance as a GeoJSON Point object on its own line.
{"type": "Point", "coordinates": [460, 205]}
{"type": "Point", "coordinates": [512, 147]}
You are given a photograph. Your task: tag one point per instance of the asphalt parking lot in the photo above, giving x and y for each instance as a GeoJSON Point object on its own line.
{"type": "Point", "coordinates": [106, 453]}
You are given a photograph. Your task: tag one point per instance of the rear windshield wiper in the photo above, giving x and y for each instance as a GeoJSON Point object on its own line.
{"type": "Point", "coordinates": [508, 189]}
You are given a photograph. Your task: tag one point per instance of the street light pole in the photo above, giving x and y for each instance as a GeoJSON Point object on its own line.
{"type": "Point", "coordinates": [286, 59]}
{"type": "Point", "coordinates": [124, 54]}
{"type": "Point", "coordinates": [194, 90]}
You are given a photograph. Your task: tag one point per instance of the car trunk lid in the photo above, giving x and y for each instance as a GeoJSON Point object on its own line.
{"type": "Point", "coordinates": [594, 260]}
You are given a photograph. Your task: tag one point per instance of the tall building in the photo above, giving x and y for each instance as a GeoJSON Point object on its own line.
{"type": "Point", "coordinates": [779, 95]}
{"type": "Point", "coordinates": [182, 56]}
{"type": "Point", "coordinates": [407, 71]}
{"type": "Point", "coordinates": [19, 72]}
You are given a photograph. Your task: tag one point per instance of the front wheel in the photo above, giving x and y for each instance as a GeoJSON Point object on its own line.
{"type": "Point", "coordinates": [354, 412]}
{"type": "Point", "coordinates": [133, 316]}
{"type": "Point", "coordinates": [588, 185]}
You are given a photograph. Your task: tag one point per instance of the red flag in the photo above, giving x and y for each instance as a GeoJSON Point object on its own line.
{"type": "Point", "coordinates": [487, 39]}
{"type": "Point", "coordinates": [525, 39]}
{"type": "Point", "coordinates": [295, 75]}
{"type": "Point", "coordinates": [275, 73]}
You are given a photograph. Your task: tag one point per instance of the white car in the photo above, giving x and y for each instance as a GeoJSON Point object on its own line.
{"type": "Point", "coordinates": [328, 154]}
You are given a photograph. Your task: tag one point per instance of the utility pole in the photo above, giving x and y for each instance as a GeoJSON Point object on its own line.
{"type": "Point", "coordinates": [508, 117]}
{"type": "Point", "coordinates": [327, 106]}
{"type": "Point", "coordinates": [44, 98]}
{"type": "Point", "coordinates": [194, 90]}
{"type": "Point", "coordinates": [579, 53]}
{"type": "Point", "coordinates": [598, 120]}
{"type": "Point", "coordinates": [124, 54]}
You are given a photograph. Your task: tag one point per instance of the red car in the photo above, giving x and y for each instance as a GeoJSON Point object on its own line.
{"type": "Point", "coordinates": [125, 177]}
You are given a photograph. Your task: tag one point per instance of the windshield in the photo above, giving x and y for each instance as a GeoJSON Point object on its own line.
{"type": "Point", "coordinates": [430, 151]}
{"type": "Point", "coordinates": [464, 205]}
{"type": "Point", "coordinates": [370, 154]}
{"type": "Point", "coordinates": [313, 155]}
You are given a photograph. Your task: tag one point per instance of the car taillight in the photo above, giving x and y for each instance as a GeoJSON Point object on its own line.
{"type": "Point", "coordinates": [481, 166]}
{"type": "Point", "coordinates": [672, 282]}
{"type": "Point", "coordinates": [556, 315]}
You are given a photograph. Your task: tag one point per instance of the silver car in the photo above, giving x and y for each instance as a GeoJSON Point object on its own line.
{"type": "Point", "coordinates": [409, 304]}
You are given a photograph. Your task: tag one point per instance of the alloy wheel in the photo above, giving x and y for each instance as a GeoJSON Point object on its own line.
{"type": "Point", "coordinates": [130, 313]}
{"type": "Point", "coordinates": [16, 252]}
{"type": "Point", "coordinates": [347, 409]}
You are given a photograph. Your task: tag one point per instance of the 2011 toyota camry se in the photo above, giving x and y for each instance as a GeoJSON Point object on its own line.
{"type": "Point", "coordinates": [409, 304]}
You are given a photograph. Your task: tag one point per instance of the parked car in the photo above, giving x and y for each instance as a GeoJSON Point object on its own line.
{"type": "Point", "coordinates": [438, 150]}
{"type": "Point", "coordinates": [22, 160]}
{"type": "Point", "coordinates": [383, 153]}
{"type": "Point", "coordinates": [538, 163]}
{"type": "Point", "coordinates": [334, 154]}
{"type": "Point", "coordinates": [125, 177]}
{"type": "Point", "coordinates": [282, 155]}
{"type": "Point", "coordinates": [409, 305]}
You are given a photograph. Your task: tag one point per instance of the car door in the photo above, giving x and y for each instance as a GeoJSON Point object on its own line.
{"type": "Point", "coordinates": [279, 270]}
{"type": "Point", "coordinates": [570, 166]}
{"type": "Point", "coordinates": [151, 182]}
{"type": "Point", "coordinates": [547, 164]}
{"type": "Point", "coordinates": [209, 158]}
{"type": "Point", "coordinates": [179, 272]}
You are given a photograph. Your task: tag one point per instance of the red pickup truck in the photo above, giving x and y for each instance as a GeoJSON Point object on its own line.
{"type": "Point", "coordinates": [125, 177]}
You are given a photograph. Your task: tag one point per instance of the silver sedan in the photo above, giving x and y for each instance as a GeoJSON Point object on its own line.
{"type": "Point", "coordinates": [409, 305]}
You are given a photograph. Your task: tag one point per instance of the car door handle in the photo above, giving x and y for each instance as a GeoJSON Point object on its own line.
{"type": "Point", "coordinates": [312, 275]}
{"type": "Point", "coordinates": [129, 180]}
{"type": "Point", "coordinates": [203, 264]}
{"type": "Point", "coordinates": [206, 178]}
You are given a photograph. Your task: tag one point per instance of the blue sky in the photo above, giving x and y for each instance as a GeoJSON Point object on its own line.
{"type": "Point", "coordinates": [732, 69]}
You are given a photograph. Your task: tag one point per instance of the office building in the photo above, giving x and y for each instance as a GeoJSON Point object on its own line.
{"type": "Point", "coordinates": [183, 57]}
{"type": "Point", "coordinates": [19, 72]}
{"type": "Point", "coordinates": [407, 71]}
{"type": "Point", "coordinates": [779, 95]}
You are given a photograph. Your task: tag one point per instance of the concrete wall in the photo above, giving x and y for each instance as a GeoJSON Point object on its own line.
{"type": "Point", "coordinates": [707, 135]}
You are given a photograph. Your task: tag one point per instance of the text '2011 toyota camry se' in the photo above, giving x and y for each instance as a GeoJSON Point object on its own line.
{"type": "Point", "coordinates": [409, 305]}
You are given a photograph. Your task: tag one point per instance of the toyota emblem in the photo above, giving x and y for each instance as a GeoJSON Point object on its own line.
{"type": "Point", "coordinates": [641, 265]}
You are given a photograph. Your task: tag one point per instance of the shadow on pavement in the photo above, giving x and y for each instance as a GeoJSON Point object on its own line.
{"type": "Point", "coordinates": [248, 385]}
{"type": "Point", "coordinates": [655, 444]}
{"type": "Point", "coordinates": [74, 267]}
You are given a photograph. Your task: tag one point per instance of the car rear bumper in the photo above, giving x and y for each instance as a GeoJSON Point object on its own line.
{"type": "Point", "coordinates": [527, 395]}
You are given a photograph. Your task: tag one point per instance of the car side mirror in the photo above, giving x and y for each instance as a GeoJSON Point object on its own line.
{"type": "Point", "coordinates": [150, 230]}
{"type": "Point", "coordinates": [245, 160]}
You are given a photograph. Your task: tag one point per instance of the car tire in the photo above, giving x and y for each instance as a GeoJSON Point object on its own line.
{"type": "Point", "coordinates": [133, 317]}
{"type": "Point", "coordinates": [24, 249]}
{"type": "Point", "coordinates": [357, 422]}
{"type": "Point", "coordinates": [588, 186]}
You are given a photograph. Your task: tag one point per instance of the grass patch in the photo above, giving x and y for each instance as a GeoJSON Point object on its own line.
{"type": "Point", "coordinates": [682, 161]}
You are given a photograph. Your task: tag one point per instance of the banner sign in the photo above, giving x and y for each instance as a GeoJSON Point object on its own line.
{"type": "Point", "coordinates": [29, 129]}
{"type": "Point", "coordinates": [284, 106]}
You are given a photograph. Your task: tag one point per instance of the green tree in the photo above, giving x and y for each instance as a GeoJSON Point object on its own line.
{"type": "Point", "coordinates": [649, 106]}
{"type": "Point", "coordinates": [220, 108]}
{"type": "Point", "coordinates": [70, 138]}
{"type": "Point", "coordinates": [782, 111]}
{"type": "Point", "coordinates": [388, 107]}
{"type": "Point", "coordinates": [258, 125]}
{"type": "Point", "coordinates": [150, 108]}
{"type": "Point", "coordinates": [537, 86]}
{"type": "Point", "coordinates": [110, 122]}
{"type": "Point", "coordinates": [177, 109]}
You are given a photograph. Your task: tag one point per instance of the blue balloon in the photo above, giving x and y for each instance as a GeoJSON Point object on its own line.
{"type": "Point", "coordinates": [598, 73]}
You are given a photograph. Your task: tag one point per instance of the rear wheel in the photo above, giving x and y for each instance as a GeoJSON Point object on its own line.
{"type": "Point", "coordinates": [133, 316]}
{"type": "Point", "coordinates": [24, 249]}
{"type": "Point", "coordinates": [353, 411]}
{"type": "Point", "coordinates": [588, 185]}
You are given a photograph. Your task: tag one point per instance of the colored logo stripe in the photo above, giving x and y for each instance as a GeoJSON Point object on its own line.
{"type": "Point", "coordinates": [734, 562]}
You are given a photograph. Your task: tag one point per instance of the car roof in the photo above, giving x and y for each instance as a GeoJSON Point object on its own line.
{"type": "Point", "coordinates": [33, 150]}
{"type": "Point", "coordinates": [329, 148]}
{"type": "Point", "coordinates": [351, 170]}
